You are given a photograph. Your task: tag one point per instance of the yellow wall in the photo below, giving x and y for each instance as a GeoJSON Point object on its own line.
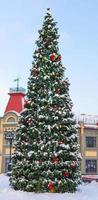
{"type": "Point", "coordinates": [88, 153]}
{"type": "Point", "coordinates": [6, 125]}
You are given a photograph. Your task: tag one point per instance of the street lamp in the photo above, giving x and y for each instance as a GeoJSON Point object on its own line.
{"type": "Point", "coordinates": [10, 136]}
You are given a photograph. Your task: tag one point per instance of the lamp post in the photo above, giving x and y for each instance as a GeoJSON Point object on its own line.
{"type": "Point", "coordinates": [10, 136]}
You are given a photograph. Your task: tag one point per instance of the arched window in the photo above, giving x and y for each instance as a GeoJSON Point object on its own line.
{"type": "Point", "coordinates": [11, 119]}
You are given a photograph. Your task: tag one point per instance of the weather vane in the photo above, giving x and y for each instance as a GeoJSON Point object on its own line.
{"type": "Point", "coordinates": [17, 80]}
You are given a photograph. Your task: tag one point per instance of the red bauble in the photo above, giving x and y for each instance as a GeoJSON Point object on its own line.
{"type": "Point", "coordinates": [25, 103]}
{"type": "Point", "coordinates": [50, 186]}
{"type": "Point", "coordinates": [55, 57]}
{"type": "Point", "coordinates": [55, 160]}
{"type": "Point", "coordinates": [66, 174]}
{"type": "Point", "coordinates": [52, 57]}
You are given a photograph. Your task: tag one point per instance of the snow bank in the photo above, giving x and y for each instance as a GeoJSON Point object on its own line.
{"type": "Point", "coordinates": [85, 192]}
{"type": "Point", "coordinates": [4, 182]}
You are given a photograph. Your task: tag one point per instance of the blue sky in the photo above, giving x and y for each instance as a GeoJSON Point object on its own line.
{"type": "Point", "coordinates": [78, 29]}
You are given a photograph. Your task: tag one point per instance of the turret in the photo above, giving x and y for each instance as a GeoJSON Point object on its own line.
{"type": "Point", "coordinates": [16, 100]}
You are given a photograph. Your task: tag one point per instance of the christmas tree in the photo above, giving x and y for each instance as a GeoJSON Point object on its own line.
{"type": "Point", "coordinates": [46, 155]}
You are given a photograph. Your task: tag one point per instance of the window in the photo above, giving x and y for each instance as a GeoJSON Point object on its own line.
{"type": "Point", "coordinates": [90, 141]}
{"type": "Point", "coordinates": [11, 119]}
{"type": "Point", "coordinates": [91, 166]}
{"type": "Point", "coordinates": [9, 136]}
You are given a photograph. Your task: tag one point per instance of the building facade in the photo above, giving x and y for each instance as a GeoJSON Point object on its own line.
{"type": "Point", "coordinates": [8, 125]}
{"type": "Point", "coordinates": [88, 139]}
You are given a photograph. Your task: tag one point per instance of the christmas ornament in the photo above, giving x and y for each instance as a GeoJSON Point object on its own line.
{"type": "Point", "coordinates": [52, 57]}
{"type": "Point", "coordinates": [66, 174]}
{"type": "Point", "coordinates": [55, 160]}
{"type": "Point", "coordinates": [50, 186]}
{"type": "Point", "coordinates": [55, 58]}
{"type": "Point", "coordinates": [25, 103]}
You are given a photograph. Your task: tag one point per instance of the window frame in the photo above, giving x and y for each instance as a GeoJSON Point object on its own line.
{"type": "Point", "coordinates": [92, 169]}
{"type": "Point", "coordinates": [92, 143]}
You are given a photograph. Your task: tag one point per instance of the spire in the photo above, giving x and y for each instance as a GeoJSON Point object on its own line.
{"type": "Point", "coordinates": [17, 80]}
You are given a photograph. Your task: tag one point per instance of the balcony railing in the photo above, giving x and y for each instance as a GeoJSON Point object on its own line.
{"type": "Point", "coordinates": [17, 89]}
{"type": "Point", "coordinates": [87, 119]}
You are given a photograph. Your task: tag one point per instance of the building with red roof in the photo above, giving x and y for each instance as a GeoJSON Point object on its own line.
{"type": "Point", "coordinates": [8, 125]}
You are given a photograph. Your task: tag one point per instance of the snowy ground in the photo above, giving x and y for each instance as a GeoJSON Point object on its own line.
{"type": "Point", "coordinates": [85, 192]}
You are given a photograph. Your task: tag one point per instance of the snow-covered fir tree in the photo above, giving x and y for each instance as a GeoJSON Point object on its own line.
{"type": "Point", "coordinates": [46, 155]}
